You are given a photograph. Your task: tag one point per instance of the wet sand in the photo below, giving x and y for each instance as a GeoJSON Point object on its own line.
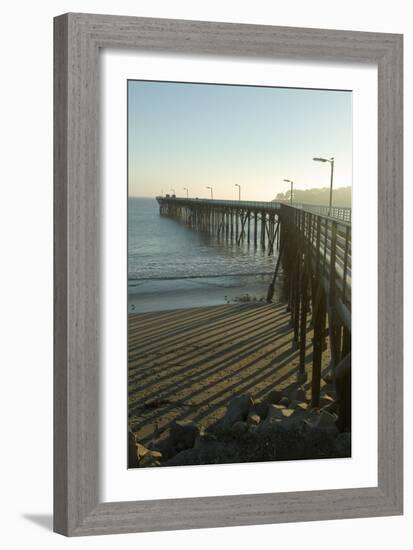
{"type": "Point", "coordinates": [187, 364]}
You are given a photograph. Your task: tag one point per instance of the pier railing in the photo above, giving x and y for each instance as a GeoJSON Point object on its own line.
{"type": "Point", "coordinates": [326, 243]}
{"type": "Point", "coordinates": [338, 212]}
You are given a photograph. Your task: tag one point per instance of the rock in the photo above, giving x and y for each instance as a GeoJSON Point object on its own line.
{"type": "Point", "coordinates": [274, 412]}
{"type": "Point", "coordinates": [184, 458]}
{"type": "Point", "coordinates": [204, 439]}
{"type": "Point", "coordinates": [277, 418]}
{"type": "Point", "coordinates": [279, 411]}
{"type": "Point", "coordinates": [253, 418]}
{"type": "Point", "coordinates": [132, 451]}
{"type": "Point", "coordinates": [239, 428]}
{"type": "Point", "coordinates": [183, 434]}
{"type": "Point", "coordinates": [301, 405]}
{"type": "Point", "coordinates": [325, 400]}
{"type": "Point", "coordinates": [343, 444]}
{"type": "Point", "coordinates": [328, 388]}
{"type": "Point", "coordinates": [295, 421]}
{"type": "Point", "coordinates": [260, 408]}
{"type": "Point", "coordinates": [141, 451]}
{"type": "Point", "coordinates": [237, 410]}
{"type": "Point", "coordinates": [284, 401]}
{"type": "Point", "coordinates": [331, 408]}
{"type": "Point", "coordinates": [150, 458]}
{"type": "Point", "coordinates": [326, 422]}
{"type": "Point", "coordinates": [214, 452]}
{"type": "Point", "coordinates": [300, 394]}
{"type": "Point", "coordinates": [149, 462]}
{"type": "Point", "coordinates": [275, 396]}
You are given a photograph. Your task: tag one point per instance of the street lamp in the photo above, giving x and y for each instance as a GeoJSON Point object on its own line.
{"type": "Point", "coordinates": [187, 192]}
{"type": "Point", "coordinates": [212, 193]}
{"type": "Point", "coordinates": [331, 161]}
{"type": "Point", "coordinates": [292, 183]}
{"type": "Point", "coordinates": [239, 190]}
{"type": "Point", "coordinates": [173, 191]}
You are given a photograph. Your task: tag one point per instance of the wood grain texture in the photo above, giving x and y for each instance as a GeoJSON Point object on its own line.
{"type": "Point", "coordinates": [78, 38]}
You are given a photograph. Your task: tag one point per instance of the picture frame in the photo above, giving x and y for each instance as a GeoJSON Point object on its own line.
{"type": "Point", "coordinates": [78, 39]}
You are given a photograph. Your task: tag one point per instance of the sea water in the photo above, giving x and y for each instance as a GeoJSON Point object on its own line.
{"type": "Point", "coordinates": [171, 266]}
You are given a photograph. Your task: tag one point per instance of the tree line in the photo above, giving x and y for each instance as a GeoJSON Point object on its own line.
{"type": "Point", "coordinates": [341, 196]}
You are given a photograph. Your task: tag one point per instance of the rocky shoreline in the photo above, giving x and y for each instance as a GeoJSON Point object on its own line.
{"type": "Point", "coordinates": [283, 426]}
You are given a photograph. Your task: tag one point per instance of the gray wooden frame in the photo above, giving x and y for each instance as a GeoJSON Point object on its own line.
{"type": "Point", "coordinates": [78, 39]}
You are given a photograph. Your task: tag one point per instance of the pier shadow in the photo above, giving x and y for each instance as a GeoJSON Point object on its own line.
{"type": "Point", "coordinates": [188, 364]}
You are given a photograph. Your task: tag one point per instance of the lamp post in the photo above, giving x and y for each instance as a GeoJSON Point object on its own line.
{"type": "Point", "coordinates": [239, 190]}
{"type": "Point", "coordinates": [187, 192]}
{"type": "Point", "coordinates": [331, 161]}
{"type": "Point", "coordinates": [292, 183]}
{"type": "Point", "coordinates": [212, 193]}
{"type": "Point", "coordinates": [173, 191]}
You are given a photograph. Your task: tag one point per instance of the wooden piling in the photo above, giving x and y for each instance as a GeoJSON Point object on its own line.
{"type": "Point", "coordinates": [319, 320]}
{"type": "Point", "coordinates": [303, 320]}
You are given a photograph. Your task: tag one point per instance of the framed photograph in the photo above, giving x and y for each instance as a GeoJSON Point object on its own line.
{"type": "Point", "coordinates": [228, 274]}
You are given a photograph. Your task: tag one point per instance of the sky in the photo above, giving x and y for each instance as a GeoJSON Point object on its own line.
{"type": "Point", "coordinates": [198, 135]}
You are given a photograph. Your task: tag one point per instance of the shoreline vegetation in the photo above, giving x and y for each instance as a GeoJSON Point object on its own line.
{"type": "Point", "coordinates": [318, 196]}
{"type": "Point", "coordinates": [219, 384]}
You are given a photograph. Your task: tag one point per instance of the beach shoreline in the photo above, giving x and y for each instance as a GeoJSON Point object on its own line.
{"type": "Point", "coordinates": [187, 364]}
{"type": "Point", "coordinates": [146, 296]}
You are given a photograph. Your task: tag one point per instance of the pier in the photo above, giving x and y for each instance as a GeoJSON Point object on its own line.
{"type": "Point", "coordinates": [313, 249]}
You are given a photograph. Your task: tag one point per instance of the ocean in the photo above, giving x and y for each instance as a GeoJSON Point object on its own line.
{"type": "Point", "coordinates": [171, 266]}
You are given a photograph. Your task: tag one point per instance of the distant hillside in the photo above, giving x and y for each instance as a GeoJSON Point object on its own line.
{"type": "Point", "coordinates": [341, 196]}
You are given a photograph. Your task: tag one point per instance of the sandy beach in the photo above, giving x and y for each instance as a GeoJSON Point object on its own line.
{"type": "Point", "coordinates": [187, 364]}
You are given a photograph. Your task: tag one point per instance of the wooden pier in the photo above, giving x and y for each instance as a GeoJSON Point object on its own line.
{"type": "Point", "coordinates": [313, 249]}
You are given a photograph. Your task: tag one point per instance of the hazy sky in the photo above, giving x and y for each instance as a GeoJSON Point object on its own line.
{"type": "Point", "coordinates": [194, 135]}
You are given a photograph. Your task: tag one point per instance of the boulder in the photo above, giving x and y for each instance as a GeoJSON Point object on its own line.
{"type": "Point", "coordinates": [260, 408]}
{"type": "Point", "coordinates": [237, 410]}
{"type": "Point", "coordinates": [274, 412]}
{"type": "Point", "coordinates": [204, 439]}
{"type": "Point", "coordinates": [239, 428]}
{"type": "Point", "coordinates": [343, 444]}
{"type": "Point", "coordinates": [253, 418]}
{"type": "Point", "coordinates": [278, 418]}
{"type": "Point", "coordinates": [331, 407]}
{"type": "Point", "coordinates": [184, 458]}
{"type": "Point", "coordinates": [325, 400]}
{"type": "Point", "coordinates": [149, 458]}
{"type": "Point", "coordinates": [300, 405]}
{"type": "Point", "coordinates": [284, 401]}
{"type": "Point", "coordinates": [183, 434]}
{"type": "Point", "coordinates": [326, 422]}
{"type": "Point", "coordinates": [274, 396]}
{"type": "Point", "coordinates": [300, 394]}
{"type": "Point", "coordinates": [279, 412]}
{"type": "Point", "coordinates": [295, 421]}
{"type": "Point", "coordinates": [141, 451]}
{"type": "Point", "coordinates": [149, 462]}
